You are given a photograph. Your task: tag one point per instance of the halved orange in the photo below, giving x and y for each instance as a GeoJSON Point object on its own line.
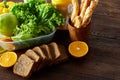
{"type": "Point", "coordinates": [78, 49]}
{"type": "Point", "coordinates": [8, 59]}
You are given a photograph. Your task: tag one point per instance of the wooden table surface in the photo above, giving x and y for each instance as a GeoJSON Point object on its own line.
{"type": "Point", "coordinates": [103, 59]}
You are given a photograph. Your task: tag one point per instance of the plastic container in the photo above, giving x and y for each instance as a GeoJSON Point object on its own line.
{"type": "Point", "coordinates": [27, 43]}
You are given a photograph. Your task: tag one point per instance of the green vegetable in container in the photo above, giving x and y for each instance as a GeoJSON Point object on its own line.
{"type": "Point", "coordinates": [35, 19]}
{"type": "Point", "coordinates": [8, 22]}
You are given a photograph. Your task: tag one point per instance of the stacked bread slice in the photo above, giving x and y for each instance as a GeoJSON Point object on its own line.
{"type": "Point", "coordinates": [37, 58]}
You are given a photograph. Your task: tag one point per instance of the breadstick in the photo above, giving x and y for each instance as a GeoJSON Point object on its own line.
{"type": "Point", "coordinates": [77, 22]}
{"type": "Point", "coordinates": [93, 5]}
{"type": "Point", "coordinates": [76, 9]}
{"type": "Point", "coordinates": [87, 16]}
{"type": "Point", "coordinates": [84, 7]}
{"type": "Point", "coordinates": [89, 12]}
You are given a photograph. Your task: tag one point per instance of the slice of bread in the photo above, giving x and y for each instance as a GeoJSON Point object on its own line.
{"type": "Point", "coordinates": [54, 51]}
{"type": "Point", "coordinates": [46, 51]}
{"type": "Point", "coordinates": [63, 57]}
{"type": "Point", "coordinates": [24, 66]}
{"type": "Point", "coordinates": [39, 51]}
{"type": "Point", "coordinates": [34, 56]}
{"type": "Point", "coordinates": [30, 53]}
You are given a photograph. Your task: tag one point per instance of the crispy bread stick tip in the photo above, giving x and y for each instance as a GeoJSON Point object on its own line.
{"type": "Point", "coordinates": [92, 5]}
{"type": "Point", "coordinates": [76, 9]}
{"type": "Point", "coordinates": [87, 16]}
{"type": "Point", "coordinates": [84, 6]}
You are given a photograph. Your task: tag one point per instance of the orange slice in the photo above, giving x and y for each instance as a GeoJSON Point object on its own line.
{"type": "Point", "coordinates": [8, 59]}
{"type": "Point", "coordinates": [78, 49]}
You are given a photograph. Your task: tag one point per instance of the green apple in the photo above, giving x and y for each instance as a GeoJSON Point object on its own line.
{"type": "Point", "coordinates": [8, 22]}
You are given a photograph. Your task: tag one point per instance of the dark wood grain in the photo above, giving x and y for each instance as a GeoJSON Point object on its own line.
{"type": "Point", "coordinates": [103, 60]}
